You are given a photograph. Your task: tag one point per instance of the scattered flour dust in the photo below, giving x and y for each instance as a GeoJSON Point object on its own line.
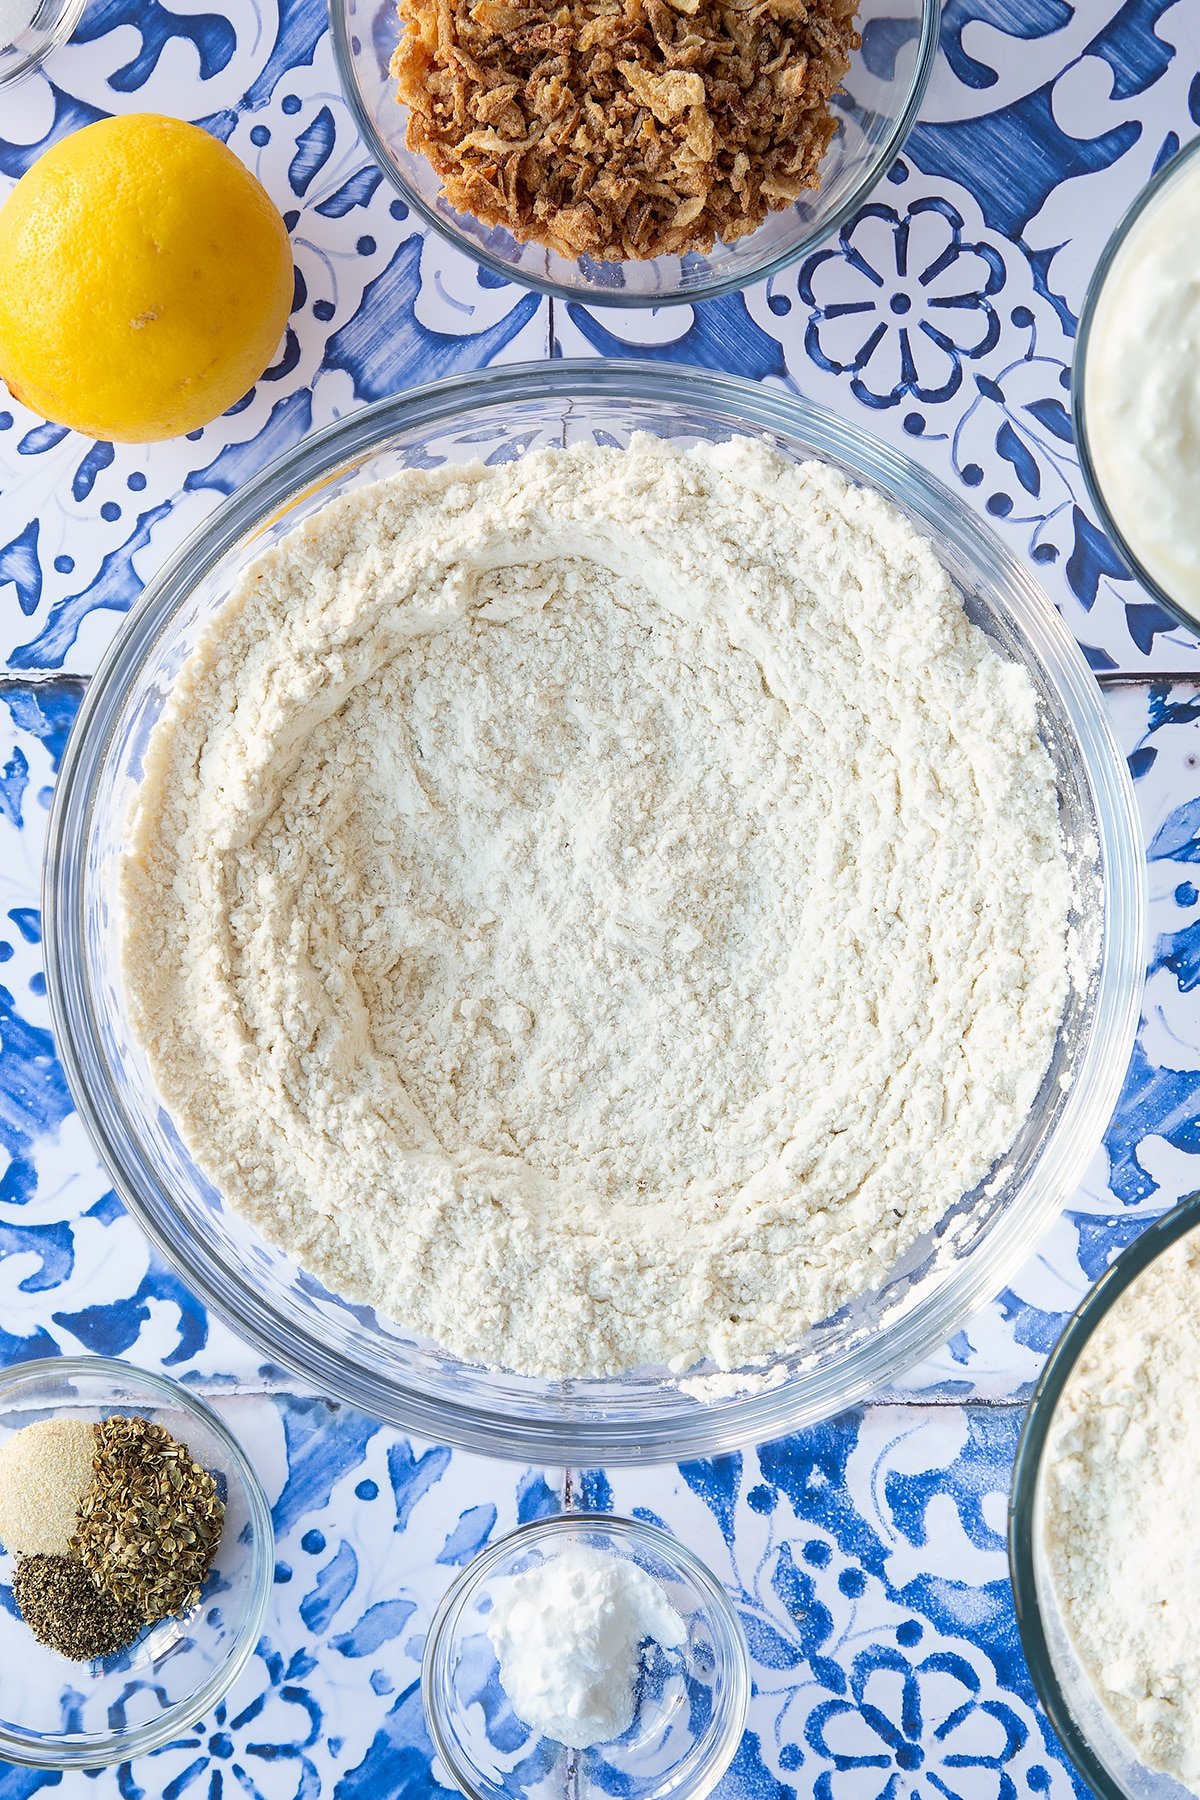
{"type": "Point", "coordinates": [1122, 1467]}
{"type": "Point", "coordinates": [599, 909]}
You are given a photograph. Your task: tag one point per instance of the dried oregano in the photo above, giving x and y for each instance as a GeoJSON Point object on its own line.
{"type": "Point", "coordinates": [150, 1522]}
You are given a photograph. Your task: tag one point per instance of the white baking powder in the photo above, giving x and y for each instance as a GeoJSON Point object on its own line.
{"type": "Point", "coordinates": [599, 909]}
{"type": "Point", "coordinates": [568, 1636]}
{"type": "Point", "coordinates": [1121, 1474]}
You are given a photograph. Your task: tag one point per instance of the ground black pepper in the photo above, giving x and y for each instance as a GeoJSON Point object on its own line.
{"type": "Point", "coordinates": [64, 1608]}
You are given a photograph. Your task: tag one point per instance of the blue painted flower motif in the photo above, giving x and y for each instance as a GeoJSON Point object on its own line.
{"type": "Point", "coordinates": [901, 301]}
{"type": "Point", "coordinates": [256, 1750]}
{"type": "Point", "coordinates": [914, 1728]}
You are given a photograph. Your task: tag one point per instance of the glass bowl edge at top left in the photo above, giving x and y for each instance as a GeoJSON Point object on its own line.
{"type": "Point", "coordinates": [51, 27]}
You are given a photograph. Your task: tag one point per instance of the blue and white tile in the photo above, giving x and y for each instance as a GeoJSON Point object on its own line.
{"type": "Point", "coordinates": [929, 326]}
{"type": "Point", "coordinates": [371, 1529]}
{"type": "Point", "coordinates": [76, 1274]}
{"type": "Point", "coordinates": [943, 316]}
{"type": "Point", "coordinates": [866, 1557]}
{"type": "Point", "coordinates": [378, 307]}
{"type": "Point", "coordinates": [1035, 134]}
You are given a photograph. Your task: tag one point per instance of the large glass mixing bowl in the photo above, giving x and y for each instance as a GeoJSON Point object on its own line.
{"type": "Point", "coordinates": [344, 1349]}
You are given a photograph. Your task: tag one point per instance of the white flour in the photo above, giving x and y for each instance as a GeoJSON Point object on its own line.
{"type": "Point", "coordinates": [568, 1636]}
{"type": "Point", "coordinates": [1122, 1469]}
{"type": "Point", "coordinates": [599, 909]}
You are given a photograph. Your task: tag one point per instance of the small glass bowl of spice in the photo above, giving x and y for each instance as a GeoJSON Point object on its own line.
{"type": "Point", "coordinates": [590, 1655]}
{"type": "Point", "coordinates": [136, 1560]}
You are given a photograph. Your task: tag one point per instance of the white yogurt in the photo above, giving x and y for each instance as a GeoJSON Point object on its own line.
{"type": "Point", "coordinates": [568, 1636]}
{"type": "Point", "coordinates": [1142, 387]}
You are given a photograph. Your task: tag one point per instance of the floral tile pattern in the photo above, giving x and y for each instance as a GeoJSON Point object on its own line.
{"type": "Point", "coordinates": [76, 1274]}
{"type": "Point", "coordinates": [866, 1555]}
{"type": "Point", "coordinates": [943, 314]}
{"type": "Point", "coordinates": [867, 1560]}
{"type": "Point", "coordinates": [370, 1531]}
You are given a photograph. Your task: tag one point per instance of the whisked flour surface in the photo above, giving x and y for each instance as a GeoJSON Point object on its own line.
{"type": "Point", "coordinates": [599, 909]}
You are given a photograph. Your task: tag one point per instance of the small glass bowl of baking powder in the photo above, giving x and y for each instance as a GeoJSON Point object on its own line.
{"type": "Point", "coordinates": [1102, 1754]}
{"type": "Point", "coordinates": [29, 31]}
{"type": "Point", "coordinates": [689, 1701]}
{"type": "Point", "coordinates": [58, 1714]}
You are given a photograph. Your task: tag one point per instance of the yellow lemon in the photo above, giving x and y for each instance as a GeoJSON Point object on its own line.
{"type": "Point", "coordinates": [145, 280]}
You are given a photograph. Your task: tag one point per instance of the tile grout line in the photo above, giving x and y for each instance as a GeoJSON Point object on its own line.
{"type": "Point", "coordinates": [1112, 678]}
{"type": "Point", "coordinates": [24, 678]}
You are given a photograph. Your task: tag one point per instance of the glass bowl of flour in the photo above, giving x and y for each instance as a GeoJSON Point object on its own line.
{"type": "Point", "coordinates": [669, 711]}
{"type": "Point", "coordinates": [1100, 1541]}
{"type": "Point", "coordinates": [587, 1649]}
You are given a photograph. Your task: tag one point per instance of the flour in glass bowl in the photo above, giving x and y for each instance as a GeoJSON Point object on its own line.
{"type": "Point", "coordinates": [16, 16]}
{"type": "Point", "coordinates": [1122, 1464]}
{"type": "Point", "coordinates": [598, 909]}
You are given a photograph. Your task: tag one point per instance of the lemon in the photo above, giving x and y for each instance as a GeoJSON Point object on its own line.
{"type": "Point", "coordinates": [145, 280]}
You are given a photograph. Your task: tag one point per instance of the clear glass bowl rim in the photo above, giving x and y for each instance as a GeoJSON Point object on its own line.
{"type": "Point", "coordinates": [873, 170]}
{"type": "Point", "coordinates": [570, 1525]}
{"type": "Point", "coordinates": [119, 1746]}
{"type": "Point", "coordinates": [1079, 424]}
{"type": "Point", "coordinates": [1087, 1318]}
{"type": "Point", "coordinates": [720, 1424]}
{"type": "Point", "coordinates": [52, 39]}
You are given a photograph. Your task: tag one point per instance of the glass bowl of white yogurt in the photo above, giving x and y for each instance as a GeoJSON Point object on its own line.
{"type": "Point", "coordinates": [345, 1348]}
{"type": "Point", "coordinates": [1101, 1538]}
{"type": "Point", "coordinates": [1135, 391]}
{"type": "Point", "coordinates": [590, 1652]}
